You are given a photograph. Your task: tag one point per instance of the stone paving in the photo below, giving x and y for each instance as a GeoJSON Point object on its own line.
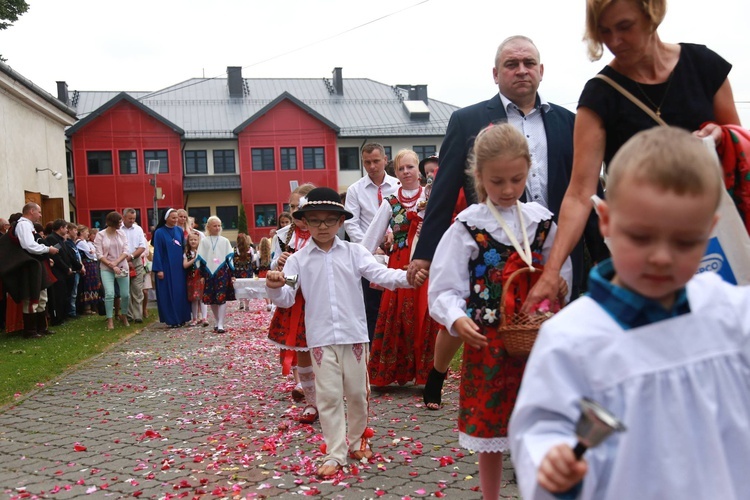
{"type": "Point", "coordinates": [187, 413]}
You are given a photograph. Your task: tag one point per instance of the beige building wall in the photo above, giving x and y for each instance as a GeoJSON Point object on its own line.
{"type": "Point", "coordinates": [213, 199]}
{"type": "Point", "coordinates": [31, 137]}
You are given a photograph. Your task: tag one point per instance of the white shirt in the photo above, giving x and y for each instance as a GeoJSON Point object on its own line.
{"type": "Point", "coordinates": [681, 387]}
{"type": "Point", "coordinates": [380, 224]}
{"type": "Point", "coordinates": [449, 272]}
{"type": "Point", "coordinates": [281, 236]}
{"type": "Point", "coordinates": [25, 235]}
{"type": "Point", "coordinates": [87, 248]}
{"type": "Point", "coordinates": [332, 287]}
{"type": "Point", "coordinates": [136, 238]}
{"type": "Point", "coordinates": [362, 202]}
{"type": "Point", "coordinates": [531, 126]}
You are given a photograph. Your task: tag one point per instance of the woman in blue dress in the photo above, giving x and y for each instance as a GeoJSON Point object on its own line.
{"type": "Point", "coordinates": [171, 282]}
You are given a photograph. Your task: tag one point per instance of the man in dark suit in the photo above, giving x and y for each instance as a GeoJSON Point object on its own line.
{"type": "Point", "coordinates": [549, 130]}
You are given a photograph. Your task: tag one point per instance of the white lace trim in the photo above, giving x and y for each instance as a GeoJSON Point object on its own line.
{"type": "Point", "coordinates": [483, 445]}
{"type": "Point", "coordinates": [478, 215]}
{"type": "Point", "coordinates": [289, 348]}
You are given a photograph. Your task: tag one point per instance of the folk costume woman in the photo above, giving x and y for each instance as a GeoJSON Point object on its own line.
{"type": "Point", "coordinates": [402, 349]}
{"type": "Point", "coordinates": [215, 254]}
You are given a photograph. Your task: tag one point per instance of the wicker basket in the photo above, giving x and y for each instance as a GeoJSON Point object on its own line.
{"type": "Point", "coordinates": [520, 330]}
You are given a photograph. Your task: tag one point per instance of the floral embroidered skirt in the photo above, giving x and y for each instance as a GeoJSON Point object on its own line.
{"type": "Point", "coordinates": [489, 385]}
{"type": "Point", "coordinates": [219, 288]}
{"type": "Point", "coordinates": [287, 328]}
{"type": "Point", "coordinates": [195, 285]}
{"type": "Point", "coordinates": [91, 283]}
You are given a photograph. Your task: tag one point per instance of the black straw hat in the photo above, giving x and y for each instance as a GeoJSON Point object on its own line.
{"type": "Point", "coordinates": [325, 199]}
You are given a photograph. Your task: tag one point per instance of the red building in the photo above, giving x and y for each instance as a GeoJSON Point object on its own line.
{"type": "Point", "coordinates": [234, 144]}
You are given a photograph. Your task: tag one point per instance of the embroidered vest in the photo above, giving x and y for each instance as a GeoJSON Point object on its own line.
{"type": "Point", "coordinates": [400, 222]}
{"type": "Point", "coordinates": [486, 272]}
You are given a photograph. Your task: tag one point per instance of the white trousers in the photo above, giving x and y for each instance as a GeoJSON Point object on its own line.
{"type": "Point", "coordinates": [29, 308]}
{"type": "Point", "coordinates": [341, 371]}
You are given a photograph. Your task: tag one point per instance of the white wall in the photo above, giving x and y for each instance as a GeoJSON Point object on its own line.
{"type": "Point", "coordinates": [31, 136]}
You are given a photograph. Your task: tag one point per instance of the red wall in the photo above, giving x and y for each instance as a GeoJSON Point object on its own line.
{"type": "Point", "coordinates": [125, 127]}
{"type": "Point", "coordinates": [284, 126]}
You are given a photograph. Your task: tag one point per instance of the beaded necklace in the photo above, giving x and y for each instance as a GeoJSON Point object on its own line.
{"type": "Point", "coordinates": [408, 202]}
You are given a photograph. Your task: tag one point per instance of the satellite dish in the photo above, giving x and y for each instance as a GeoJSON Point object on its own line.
{"type": "Point", "coordinates": [153, 167]}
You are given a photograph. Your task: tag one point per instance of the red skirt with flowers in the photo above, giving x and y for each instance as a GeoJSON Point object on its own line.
{"type": "Point", "coordinates": [287, 328]}
{"type": "Point", "coordinates": [195, 285]}
{"type": "Point", "coordinates": [403, 344]}
{"type": "Point", "coordinates": [489, 385]}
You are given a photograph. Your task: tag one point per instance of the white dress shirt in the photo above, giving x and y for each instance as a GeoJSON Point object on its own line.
{"type": "Point", "coordinates": [362, 201]}
{"type": "Point", "coordinates": [25, 235]}
{"type": "Point", "coordinates": [332, 287]}
{"type": "Point", "coordinates": [531, 125]}
{"type": "Point", "coordinates": [449, 273]}
{"type": "Point", "coordinates": [136, 238]}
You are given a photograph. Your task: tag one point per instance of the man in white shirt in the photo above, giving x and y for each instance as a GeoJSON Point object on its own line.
{"type": "Point", "coordinates": [137, 242]}
{"type": "Point", "coordinates": [362, 201]}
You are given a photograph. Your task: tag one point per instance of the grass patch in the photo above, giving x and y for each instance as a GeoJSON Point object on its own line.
{"type": "Point", "coordinates": [24, 363]}
{"type": "Point", "coordinates": [455, 366]}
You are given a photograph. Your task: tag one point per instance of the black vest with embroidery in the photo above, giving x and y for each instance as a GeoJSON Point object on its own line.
{"type": "Point", "coordinates": [485, 272]}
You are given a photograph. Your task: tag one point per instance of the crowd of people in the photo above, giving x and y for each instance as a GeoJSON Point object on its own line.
{"type": "Point", "coordinates": [385, 284]}
{"type": "Point", "coordinates": [512, 194]}
{"type": "Point", "coordinates": [62, 271]}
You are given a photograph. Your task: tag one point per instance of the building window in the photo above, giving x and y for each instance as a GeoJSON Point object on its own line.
{"type": "Point", "coordinates": [158, 154]}
{"type": "Point", "coordinates": [196, 162]}
{"type": "Point", "coordinates": [128, 162]}
{"type": "Point", "coordinates": [349, 158]}
{"type": "Point", "coordinates": [388, 152]}
{"type": "Point", "coordinates": [425, 151]}
{"type": "Point", "coordinates": [69, 163]}
{"type": "Point", "coordinates": [151, 221]}
{"type": "Point", "coordinates": [262, 158]}
{"type": "Point", "coordinates": [224, 161]}
{"type": "Point", "coordinates": [313, 158]}
{"type": "Point", "coordinates": [265, 215]}
{"type": "Point", "coordinates": [201, 215]}
{"type": "Point", "coordinates": [99, 218]}
{"type": "Point", "coordinates": [229, 217]}
{"type": "Point", "coordinates": [99, 162]}
{"type": "Point", "coordinates": [288, 158]}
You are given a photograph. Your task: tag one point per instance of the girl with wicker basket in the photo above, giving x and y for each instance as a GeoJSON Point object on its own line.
{"type": "Point", "coordinates": [474, 289]}
{"type": "Point", "coordinates": [287, 328]}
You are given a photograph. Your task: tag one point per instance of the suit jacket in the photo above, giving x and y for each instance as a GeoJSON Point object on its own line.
{"type": "Point", "coordinates": [463, 127]}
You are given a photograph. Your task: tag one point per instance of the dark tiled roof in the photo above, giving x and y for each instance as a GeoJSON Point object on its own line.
{"type": "Point", "coordinates": [211, 182]}
{"type": "Point", "coordinates": [204, 109]}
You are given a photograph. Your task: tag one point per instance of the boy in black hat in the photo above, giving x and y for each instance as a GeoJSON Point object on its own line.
{"type": "Point", "coordinates": [329, 273]}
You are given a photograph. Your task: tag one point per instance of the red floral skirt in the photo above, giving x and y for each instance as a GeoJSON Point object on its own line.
{"type": "Point", "coordinates": [489, 385]}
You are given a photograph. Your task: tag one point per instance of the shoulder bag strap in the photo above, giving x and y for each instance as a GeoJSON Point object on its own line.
{"type": "Point", "coordinates": [632, 99]}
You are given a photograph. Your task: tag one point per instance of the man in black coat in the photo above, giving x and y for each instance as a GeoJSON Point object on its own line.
{"type": "Point", "coordinates": [547, 127]}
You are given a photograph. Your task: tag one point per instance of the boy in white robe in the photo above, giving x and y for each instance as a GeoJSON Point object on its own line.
{"type": "Point", "coordinates": [665, 350]}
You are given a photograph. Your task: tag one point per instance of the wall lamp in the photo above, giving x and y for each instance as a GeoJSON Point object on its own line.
{"type": "Point", "coordinates": [57, 175]}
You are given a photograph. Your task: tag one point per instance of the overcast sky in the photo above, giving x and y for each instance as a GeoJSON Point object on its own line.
{"type": "Point", "coordinates": [145, 45]}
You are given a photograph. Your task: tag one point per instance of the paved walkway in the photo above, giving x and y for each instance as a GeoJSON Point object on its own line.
{"type": "Point", "coordinates": [187, 413]}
